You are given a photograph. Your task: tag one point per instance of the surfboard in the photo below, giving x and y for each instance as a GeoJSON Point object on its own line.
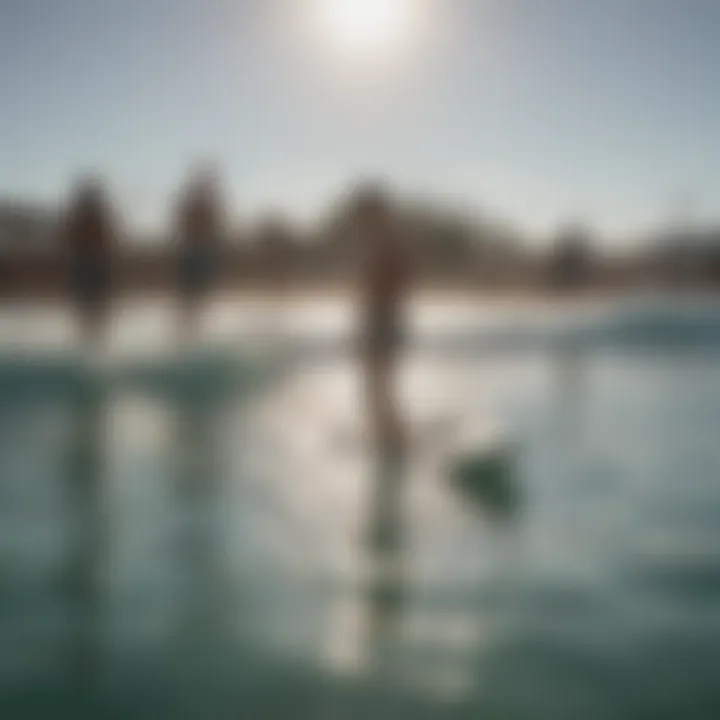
{"type": "Point", "coordinates": [479, 459]}
{"type": "Point", "coordinates": [481, 462]}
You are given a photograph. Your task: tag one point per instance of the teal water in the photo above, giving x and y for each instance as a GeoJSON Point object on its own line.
{"type": "Point", "coordinates": [195, 549]}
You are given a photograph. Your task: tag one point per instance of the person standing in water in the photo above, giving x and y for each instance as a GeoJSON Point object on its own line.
{"type": "Point", "coordinates": [89, 237]}
{"type": "Point", "coordinates": [385, 283]}
{"type": "Point", "coordinates": [384, 287]}
{"type": "Point", "coordinates": [199, 229]}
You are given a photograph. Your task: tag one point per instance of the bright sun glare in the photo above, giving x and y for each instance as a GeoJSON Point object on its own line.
{"type": "Point", "coordinates": [366, 26]}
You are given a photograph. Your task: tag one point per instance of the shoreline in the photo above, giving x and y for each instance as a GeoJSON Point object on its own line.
{"type": "Point", "coordinates": [262, 298]}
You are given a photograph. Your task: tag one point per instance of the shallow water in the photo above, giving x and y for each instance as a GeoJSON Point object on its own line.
{"type": "Point", "coordinates": [170, 553]}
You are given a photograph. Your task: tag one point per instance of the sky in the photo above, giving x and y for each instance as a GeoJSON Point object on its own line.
{"type": "Point", "coordinates": [534, 111]}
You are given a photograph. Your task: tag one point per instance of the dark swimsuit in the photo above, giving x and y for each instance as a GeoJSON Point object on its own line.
{"type": "Point", "coordinates": [197, 269]}
{"type": "Point", "coordinates": [91, 280]}
{"type": "Point", "coordinates": [90, 257]}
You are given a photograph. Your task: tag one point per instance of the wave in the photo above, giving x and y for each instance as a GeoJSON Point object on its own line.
{"type": "Point", "coordinates": [653, 324]}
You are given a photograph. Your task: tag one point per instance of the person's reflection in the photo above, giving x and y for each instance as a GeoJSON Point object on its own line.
{"type": "Point", "coordinates": [385, 285]}
{"type": "Point", "coordinates": [198, 485]}
{"type": "Point", "coordinates": [388, 604]}
{"type": "Point", "coordinates": [384, 560]}
{"type": "Point", "coordinates": [89, 531]}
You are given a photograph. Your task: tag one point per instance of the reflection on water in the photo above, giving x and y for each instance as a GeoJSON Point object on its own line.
{"type": "Point", "coordinates": [206, 553]}
{"type": "Point", "coordinates": [198, 485]}
{"type": "Point", "coordinates": [85, 479]}
{"type": "Point", "coordinates": [384, 580]}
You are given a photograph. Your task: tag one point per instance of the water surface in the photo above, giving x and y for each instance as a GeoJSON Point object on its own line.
{"type": "Point", "coordinates": [199, 553]}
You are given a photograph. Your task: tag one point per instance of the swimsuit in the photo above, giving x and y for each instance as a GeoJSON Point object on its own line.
{"type": "Point", "coordinates": [91, 280]}
{"type": "Point", "coordinates": [197, 269]}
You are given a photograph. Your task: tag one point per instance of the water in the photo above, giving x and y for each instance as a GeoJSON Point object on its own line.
{"type": "Point", "coordinates": [182, 553]}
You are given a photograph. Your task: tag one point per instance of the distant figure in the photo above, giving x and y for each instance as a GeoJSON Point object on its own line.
{"type": "Point", "coordinates": [89, 238]}
{"type": "Point", "coordinates": [276, 242]}
{"type": "Point", "coordinates": [200, 226]}
{"type": "Point", "coordinates": [385, 277]}
{"type": "Point", "coordinates": [571, 260]}
{"type": "Point", "coordinates": [277, 246]}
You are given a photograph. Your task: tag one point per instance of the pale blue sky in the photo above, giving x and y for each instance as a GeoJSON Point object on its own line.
{"type": "Point", "coordinates": [606, 110]}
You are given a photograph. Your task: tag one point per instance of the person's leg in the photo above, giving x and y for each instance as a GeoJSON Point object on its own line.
{"type": "Point", "coordinates": [386, 417]}
{"type": "Point", "coordinates": [189, 316]}
{"type": "Point", "coordinates": [384, 531]}
{"type": "Point", "coordinates": [95, 322]}
{"type": "Point", "coordinates": [394, 420]}
{"type": "Point", "coordinates": [92, 304]}
{"type": "Point", "coordinates": [190, 297]}
{"type": "Point", "coordinates": [378, 404]}
{"type": "Point", "coordinates": [199, 285]}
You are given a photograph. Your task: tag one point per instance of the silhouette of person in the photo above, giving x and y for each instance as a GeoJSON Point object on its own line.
{"type": "Point", "coordinates": [571, 259]}
{"type": "Point", "coordinates": [385, 279]}
{"type": "Point", "coordinates": [384, 288]}
{"type": "Point", "coordinates": [89, 236]}
{"type": "Point", "coordinates": [276, 240]}
{"type": "Point", "coordinates": [200, 221]}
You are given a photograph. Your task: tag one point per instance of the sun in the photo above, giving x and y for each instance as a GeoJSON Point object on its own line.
{"type": "Point", "coordinates": [366, 27]}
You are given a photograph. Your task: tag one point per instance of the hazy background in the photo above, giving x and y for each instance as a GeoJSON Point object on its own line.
{"type": "Point", "coordinates": [534, 110]}
{"type": "Point", "coordinates": [183, 525]}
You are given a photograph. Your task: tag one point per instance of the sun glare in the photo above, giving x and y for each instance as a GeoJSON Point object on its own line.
{"type": "Point", "coordinates": [366, 27]}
